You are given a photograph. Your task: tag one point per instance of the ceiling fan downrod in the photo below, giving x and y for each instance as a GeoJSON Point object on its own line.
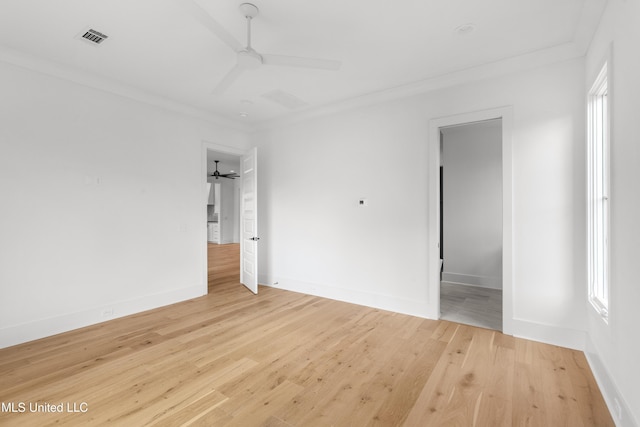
{"type": "Point", "coordinates": [249, 11]}
{"type": "Point", "coordinates": [249, 33]}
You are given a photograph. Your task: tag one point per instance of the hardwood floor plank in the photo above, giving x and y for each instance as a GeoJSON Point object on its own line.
{"type": "Point", "coordinates": [408, 384]}
{"type": "Point", "coordinates": [194, 411]}
{"type": "Point", "coordinates": [588, 398]}
{"type": "Point", "coordinates": [250, 407]}
{"type": "Point", "coordinates": [223, 264]}
{"type": "Point", "coordinates": [283, 359]}
{"type": "Point", "coordinates": [498, 397]}
{"type": "Point", "coordinates": [453, 390]}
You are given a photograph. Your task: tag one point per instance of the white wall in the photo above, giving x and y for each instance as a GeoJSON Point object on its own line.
{"type": "Point", "coordinates": [102, 205]}
{"type": "Point", "coordinates": [229, 216]}
{"type": "Point", "coordinates": [472, 204]}
{"type": "Point", "coordinates": [614, 348]}
{"type": "Point", "coordinates": [315, 239]}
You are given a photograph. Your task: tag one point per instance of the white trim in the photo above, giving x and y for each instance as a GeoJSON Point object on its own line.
{"type": "Point", "coordinates": [41, 328]}
{"type": "Point", "coordinates": [617, 405]}
{"type": "Point", "coordinates": [433, 284]}
{"type": "Point", "coordinates": [527, 61]}
{"type": "Point", "coordinates": [592, 12]}
{"type": "Point", "coordinates": [408, 306]}
{"type": "Point", "coordinates": [472, 280]}
{"type": "Point", "coordinates": [599, 266]}
{"type": "Point", "coordinates": [549, 334]}
{"type": "Point", "coordinates": [64, 72]}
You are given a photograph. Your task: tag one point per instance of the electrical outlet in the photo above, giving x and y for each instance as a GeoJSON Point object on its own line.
{"type": "Point", "coordinates": [92, 180]}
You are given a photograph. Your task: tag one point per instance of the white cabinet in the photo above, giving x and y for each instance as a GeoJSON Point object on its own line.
{"type": "Point", "coordinates": [213, 232]}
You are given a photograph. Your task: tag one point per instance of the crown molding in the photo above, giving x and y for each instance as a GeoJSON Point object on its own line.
{"type": "Point", "coordinates": [531, 60]}
{"type": "Point", "coordinates": [585, 30]}
{"type": "Point", "coordinates": [50, 68]}
{"type": "Point", "coordinates": [588, 23]}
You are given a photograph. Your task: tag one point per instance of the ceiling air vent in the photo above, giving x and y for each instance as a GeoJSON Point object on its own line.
{"type": "Point", "coordinates": [92, 36]}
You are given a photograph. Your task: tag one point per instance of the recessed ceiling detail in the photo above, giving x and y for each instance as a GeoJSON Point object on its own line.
{"type": "Point", "coordinates": [285, 99]}
{"type": "Point", "coordinates": [174, 53]}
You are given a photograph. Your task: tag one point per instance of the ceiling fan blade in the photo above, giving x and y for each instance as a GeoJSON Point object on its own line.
{"type": "Point", "coordinates": [207, 20]}
{"type": "Point", "coordinates": [228, 80]}
{"type": "Point", "coordinates": [295, 61]}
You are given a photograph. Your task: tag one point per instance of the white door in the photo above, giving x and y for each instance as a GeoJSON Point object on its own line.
{"type": "Point", "coordinates": [249, 218]}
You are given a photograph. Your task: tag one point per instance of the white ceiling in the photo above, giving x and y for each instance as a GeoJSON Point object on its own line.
{"type": "Point", "coordinates": [158, 51]}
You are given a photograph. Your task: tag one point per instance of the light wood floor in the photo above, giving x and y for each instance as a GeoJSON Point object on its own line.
{"type": "Point", "coordinates": [223, 264]}
{"type": "Point", "coordinates": [282, 359]}
{"type": "Point", "coordinates": [471, 305]}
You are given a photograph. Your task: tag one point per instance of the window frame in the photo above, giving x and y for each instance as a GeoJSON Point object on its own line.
{"type": "Point", "coordinates": [598, 192]}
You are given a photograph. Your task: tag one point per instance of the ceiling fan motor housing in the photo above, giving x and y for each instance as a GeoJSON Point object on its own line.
{"type": "Point", "coordinates": [249, 10]}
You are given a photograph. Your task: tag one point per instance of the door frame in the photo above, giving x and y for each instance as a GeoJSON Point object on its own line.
{"type": "Point", "coordinates": [433, 286]}
{"type": "Point", "coordinates": [206, 147]}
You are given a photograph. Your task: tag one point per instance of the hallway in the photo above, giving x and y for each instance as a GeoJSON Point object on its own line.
{"type": "Point", "coordinates": [471, 305]}
{"type": "Point", "coordinates": [223, 264]}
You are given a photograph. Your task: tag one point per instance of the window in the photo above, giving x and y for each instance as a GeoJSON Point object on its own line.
{"type": "Point", "coordinates": [598, 193]}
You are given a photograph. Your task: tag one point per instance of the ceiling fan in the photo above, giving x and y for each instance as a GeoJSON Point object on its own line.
{"type": "Point", "coordinates": [231, 175]}
{"type": "Point", "coordinates": [247, 58]}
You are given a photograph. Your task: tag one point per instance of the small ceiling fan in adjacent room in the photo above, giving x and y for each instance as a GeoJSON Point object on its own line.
{"type": "Point", "coordinates": [230, 175]}
{"type": "Point", "coordinates": [247, 57]}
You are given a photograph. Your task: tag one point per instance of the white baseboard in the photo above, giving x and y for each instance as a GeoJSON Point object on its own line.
{"type": "Point", "coordinates": [550, 334]}
{"type": "Point", "coordinates": [18, 334]}
{"type": "Point", "coordinates": [384, 302]}
{"type": "Point", "coordinates": [620, 412]}
{"type": "Point", "coordinates": [468, 279]}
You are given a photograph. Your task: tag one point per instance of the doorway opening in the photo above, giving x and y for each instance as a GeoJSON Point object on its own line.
{"type": "Point", "coordinates": [471, 223]}
{"type": "Point", "coordinates": [246, 205]}
{"type": "Point", "coordinates": [223, 219]}
{"type": "Point", "coordinates": [437, 264]}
